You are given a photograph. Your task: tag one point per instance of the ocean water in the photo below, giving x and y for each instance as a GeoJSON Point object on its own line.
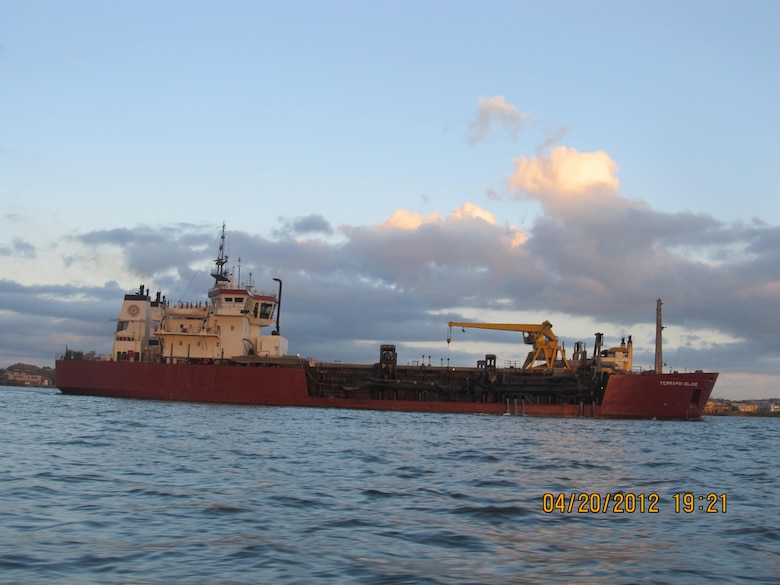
{"type": "Point", "coordinates": [96, 490]}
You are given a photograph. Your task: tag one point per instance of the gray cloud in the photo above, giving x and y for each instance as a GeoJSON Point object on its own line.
{"type": "Point", "coordinates": [495, 116]}
{"type": "Point", "coordinates": [304, 226]}
{"type": "Point", "coordinates": [382, 285]}
{"type": "Point", "coordinates": [20, 248]}
{"type": "Point", "coordinates": [591, 253]}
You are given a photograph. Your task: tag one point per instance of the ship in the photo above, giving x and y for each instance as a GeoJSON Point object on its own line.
{"type": "Point", "coordinates": [228, 349]}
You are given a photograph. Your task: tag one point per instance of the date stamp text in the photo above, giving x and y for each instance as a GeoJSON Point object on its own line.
{"type": "Point", "coordinates": [632, 503]}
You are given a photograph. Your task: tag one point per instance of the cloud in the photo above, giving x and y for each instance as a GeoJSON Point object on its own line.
{"type": "Point", "coordinates": [495, 116]}
{"type": "Point", "coordinates": [305, 225]}
{"type": "Point", "coordinates": [554, 137]}
{"type": "Point", "coordinates": [565, 176]}
{"type": "Point", "coordinates": [19, 248]}
{"type": "Point", "coordinates": [407, 220]}
{"type": "Point", "coordinates": [471, 211]}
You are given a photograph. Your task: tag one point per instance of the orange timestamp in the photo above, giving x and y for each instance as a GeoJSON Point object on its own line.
{"type": "Point", "coordinates": [630, 503]}
{"type": "Point", "coordinates": [595, 503]}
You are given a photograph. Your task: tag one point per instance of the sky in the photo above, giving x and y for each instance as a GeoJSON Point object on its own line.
{"type": "Point", "coordinates": [398, 165]}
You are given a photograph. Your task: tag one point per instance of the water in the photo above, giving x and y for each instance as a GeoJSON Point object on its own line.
{"type": "Point", "coordinates": [97, 490]}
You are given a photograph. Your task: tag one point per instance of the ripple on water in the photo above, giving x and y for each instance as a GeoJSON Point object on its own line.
{"type": "Point", "coordinates": [105, 491]}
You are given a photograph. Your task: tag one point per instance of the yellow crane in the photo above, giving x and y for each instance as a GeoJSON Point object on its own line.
{"type": "Point", "coordinates": [541, 337]}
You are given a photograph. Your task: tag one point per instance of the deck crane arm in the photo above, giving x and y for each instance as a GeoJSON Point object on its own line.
{"type": "Point", "coordinates": [540, 336]}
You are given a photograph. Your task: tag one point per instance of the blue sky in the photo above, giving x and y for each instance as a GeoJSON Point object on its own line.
{"type": "Point", "coordinates": [399, 164]}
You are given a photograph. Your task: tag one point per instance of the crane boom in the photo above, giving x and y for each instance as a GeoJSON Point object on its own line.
{"type": "Point", "coordinates": [540, 336]}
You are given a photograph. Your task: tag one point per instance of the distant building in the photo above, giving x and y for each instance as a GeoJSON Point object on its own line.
{"type": "Point", "coordinates": [27, 375]}
{"type": "Point", "coordinates": [722, 407]}
{"type": "Point", "coordinates": [718, 407]}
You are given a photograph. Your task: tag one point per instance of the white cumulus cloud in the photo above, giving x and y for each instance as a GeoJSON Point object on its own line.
{"type": "Point", "coordinates": [565, 172]}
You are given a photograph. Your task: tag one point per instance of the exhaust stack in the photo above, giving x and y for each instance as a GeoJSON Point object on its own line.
{"type": "Point", "coordinates": [659, 360]}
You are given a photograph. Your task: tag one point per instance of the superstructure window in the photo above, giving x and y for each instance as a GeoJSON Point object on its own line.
{"type": "Point", "coordinates": [121, 325]}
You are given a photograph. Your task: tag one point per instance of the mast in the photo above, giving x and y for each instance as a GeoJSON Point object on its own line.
{"type": "Point", "coordinates": [220, 273]}
{"type": "Point", "coordinates": [659, 360]}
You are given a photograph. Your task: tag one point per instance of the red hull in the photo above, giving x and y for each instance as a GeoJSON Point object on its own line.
{"type": "Point", "coordinates": [663, 396]}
